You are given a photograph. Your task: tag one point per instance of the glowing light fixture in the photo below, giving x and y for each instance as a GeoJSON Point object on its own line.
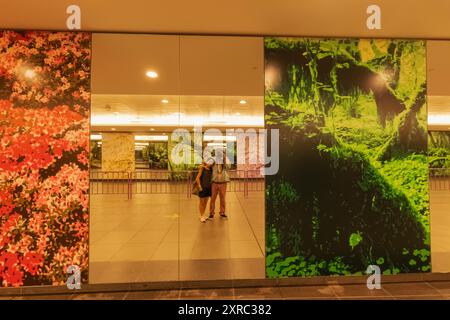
{"type": "Point", "coordinates": [242, 101]}
{"type": "Point", "coordinates": [165, 101]}
{"type": "Point", "coordinates": [176, 119]}
{"type": "Point", "coordinates": [219, 138]}
{"type": "Point", "coordinates": [151, 74]}
{"type": "Point", "coordinates": [438, 118]}
{"type": "Point", "coordinates": [216, 144]}
{"type": "Point", "coordinates": [30, 74]}
{"type": "Point", "coordinates": [151, 138]}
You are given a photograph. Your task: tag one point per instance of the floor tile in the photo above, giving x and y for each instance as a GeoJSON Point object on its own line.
{"type": "Point", "coordinates": [358, 290]}
{"type": "Point", "coordinates": [120, 227]}
{"type": "Point", "coordinates": [147, 236]}
{"type": "Point", "coordinates": [114, 272]}
{"type": "Point", "coordinates": [101, 296]}
{"type": "Point", "coordinates": [207, 249]}
{"type": "Point", "coordinates": [442, 286]}
{"type": "Point", "coordinates": [419, 288]}
{"type": "Point", "coordinates": [227, 294]}
{"type": "Point", "coordinates": [155, 271]}
{"type": "Point", "coordinates": [135, 252]}
{"type": "Point", "coordinates": [245, 249]}
{"type": "Point", "coordinates": [116, 237]}
{"type": "Point", "coordinates": [103, 252]}
{"type": "Point", "coordinates": [166, 251]}
{"type": "Point", "coordinates": [307, 291]}
{"type": "Point", "coordinates": [153, 295]}
{"type": "Point", "coordinates": [419, 297]}
{"type": "Point", "coordinates": [248, 268]}
{"type": "Point", "coordinates": [45, 297]}
{"type": "Point", "coordinates": [257, 293]}
{"type": "Point", "coordinates": [214, 269]}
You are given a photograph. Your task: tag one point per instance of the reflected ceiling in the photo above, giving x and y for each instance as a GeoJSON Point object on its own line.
{"type": "Point", "coordinates": [439, 113]}
{"type": "Point", "coordinates": [201, 80]}
{"type": "Point", "coordinates": [165, 112]}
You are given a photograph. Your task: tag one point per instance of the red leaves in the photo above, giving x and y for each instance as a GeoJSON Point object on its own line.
{"type": "Point", "coordinates": [44, 127]}
{"type": "Point", "coordinates": [9, 269]}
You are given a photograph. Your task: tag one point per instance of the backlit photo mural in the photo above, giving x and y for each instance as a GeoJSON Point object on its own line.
{"type": "Point", "coordinates": [352, 186]}
{"type": "Point", "coordinates": [44, 137]}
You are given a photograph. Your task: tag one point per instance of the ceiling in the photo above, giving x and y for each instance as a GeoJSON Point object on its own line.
{"type": "Point", "coordinates": [438, 113]}
{"type": "Point", "coordinates": [141, 113]}
{"type": "Point", "coordinates": [187, 65]}
{"type": "Point", "coordinates": [202, 78]}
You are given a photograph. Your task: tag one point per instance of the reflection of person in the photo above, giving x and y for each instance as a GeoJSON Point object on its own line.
{"type": "Point", "coordinates": [203, 181]}
{"type": "Point", "coordinates": [219, 180]}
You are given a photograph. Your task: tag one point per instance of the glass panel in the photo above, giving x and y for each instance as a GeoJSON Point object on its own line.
{"type": "Point", "coordinates": [134, 201]}
{"type": "Point", "coordinates": [222, 88]}
{"type": "Point", "coordinates": [439, 152]}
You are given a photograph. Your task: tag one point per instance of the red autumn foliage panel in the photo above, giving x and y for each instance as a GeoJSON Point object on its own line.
{"type": "Point", "coordinates": [44, 138]}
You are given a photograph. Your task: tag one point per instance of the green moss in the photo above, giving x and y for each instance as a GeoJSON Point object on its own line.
{"type": "Point", "coordinates": [351, 191]}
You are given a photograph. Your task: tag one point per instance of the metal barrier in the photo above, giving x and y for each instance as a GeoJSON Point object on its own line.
{"type": "Point", "coordinates": [439, 179]}
{"type": "Point", "coordinates": [167, 182]}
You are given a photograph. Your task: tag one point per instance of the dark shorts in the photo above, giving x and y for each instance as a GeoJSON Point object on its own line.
{"type": "Point", "coordinates": [205, 193]}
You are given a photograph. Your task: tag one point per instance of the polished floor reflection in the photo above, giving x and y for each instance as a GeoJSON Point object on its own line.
{"type": "Point", "coordinates": [414, 290]}
{"type": "Point", "coordinates": [158, 237]}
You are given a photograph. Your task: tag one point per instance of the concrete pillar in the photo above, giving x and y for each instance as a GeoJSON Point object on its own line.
{"type": "Point", "coordinates": [118, 152]}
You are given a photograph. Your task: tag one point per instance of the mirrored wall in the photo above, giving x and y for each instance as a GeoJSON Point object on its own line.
{"type": "Point", "coordinates": [145, 220]}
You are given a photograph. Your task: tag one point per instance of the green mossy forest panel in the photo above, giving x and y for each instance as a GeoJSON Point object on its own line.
{"type": "Point", "coordinates": [352, 188]}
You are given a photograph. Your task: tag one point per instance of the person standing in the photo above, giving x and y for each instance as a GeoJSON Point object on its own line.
{"type": "Point", "coordinates": [219, 184]}
{"type": "Point", "coordinates": [203, 181]}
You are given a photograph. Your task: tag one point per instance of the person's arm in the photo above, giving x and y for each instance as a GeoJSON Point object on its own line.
{"type": "Point", "coordinates": [227, 163]}
{"type": "Point", "coordinates": [197, 179]}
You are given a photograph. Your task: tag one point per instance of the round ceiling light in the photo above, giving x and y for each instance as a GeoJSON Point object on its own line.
{"type": "Point", "coordinates": [151, 74]}
{"type": "Point", "coordinates": [165, 101]}
{"type": "Point", "coordinates": [242, 101]}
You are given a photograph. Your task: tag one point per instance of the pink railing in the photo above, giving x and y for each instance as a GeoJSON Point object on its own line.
{"type": "Point", "coordinates": [440, 179]}
{"type": "Point", "coordinates": [167, 182]}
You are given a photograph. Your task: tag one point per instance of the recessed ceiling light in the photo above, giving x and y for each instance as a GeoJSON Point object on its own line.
{"type": "Point", "coordinates": [151, 74]}
{"type": "Point", "coordinates": [242, 102]}
{"type": "Point", "coordinates": [165, 101]}
{"type": "Point", "coordinates": [152, 129]}
{"type": "Point", "coordinates": [113, 129]}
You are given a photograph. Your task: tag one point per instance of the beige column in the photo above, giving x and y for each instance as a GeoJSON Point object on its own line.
{"type": "Point", "coordinates": [118, 152]}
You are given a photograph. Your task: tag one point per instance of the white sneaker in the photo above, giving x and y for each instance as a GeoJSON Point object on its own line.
{"type": "Point", "coordinates": [203, 219]}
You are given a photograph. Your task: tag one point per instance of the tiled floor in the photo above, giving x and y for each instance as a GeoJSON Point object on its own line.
{"type": "Point", "coordinates": [389, 291]}
{"type": "Point", "coordinates": [158, 237]}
